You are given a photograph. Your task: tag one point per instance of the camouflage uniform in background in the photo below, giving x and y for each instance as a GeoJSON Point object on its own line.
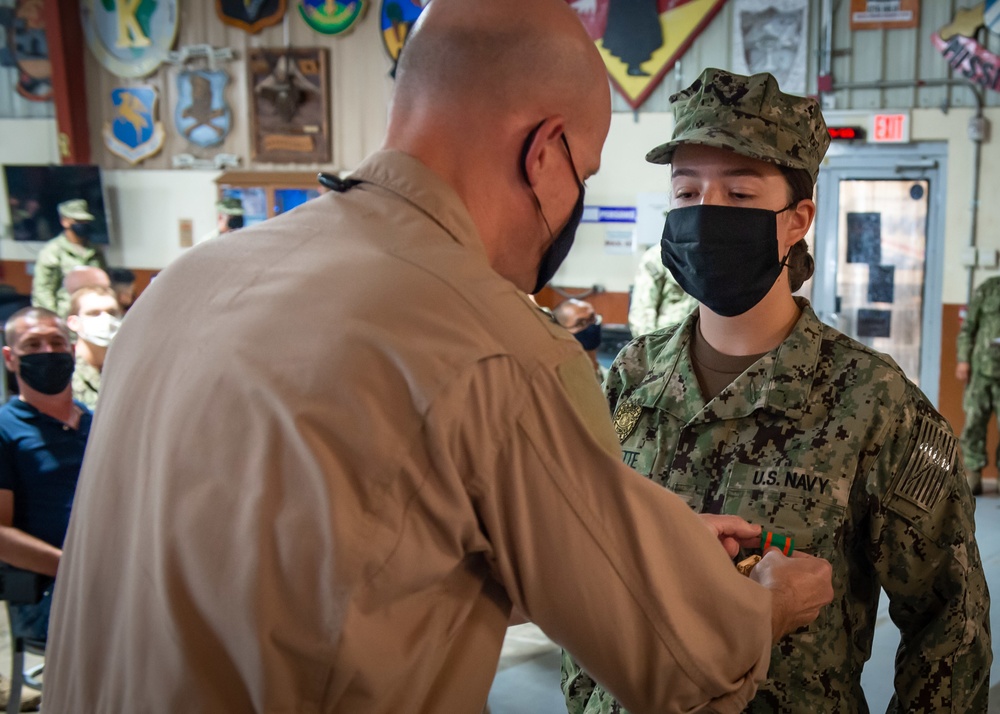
{"type": "Point", "coordinates": [657, 300]}
{"type": "Point", "coordinates": [826, 440]}
{"type": "Point", "coordinates": [86, 382]}
{"type": "Point", "coordinates": [56, 258]}
{"type": "Point", "coordinates": [977, 345]}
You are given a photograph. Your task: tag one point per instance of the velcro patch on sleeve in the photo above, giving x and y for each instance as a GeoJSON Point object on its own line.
{"type": "Point", "coordinates": [929, 463]}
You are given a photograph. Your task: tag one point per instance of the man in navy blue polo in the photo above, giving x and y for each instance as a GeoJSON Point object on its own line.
{"type": "Point", "coordinates": [43, 434]}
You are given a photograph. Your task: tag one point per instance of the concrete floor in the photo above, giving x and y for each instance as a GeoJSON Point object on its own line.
{"type": "Point", "coordinates": [528, 676]}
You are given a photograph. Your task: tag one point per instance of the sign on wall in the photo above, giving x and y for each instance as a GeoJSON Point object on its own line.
{"type": "Point", "coordinates": [640, 40]}
{"type": "Point", "coordinates": [332, 17]}
{"type": "Point", "coordinates": [884, 14]}
{"type": "Point", "coordinates": [957, 42]}
{"type": "Point", "coordinates": [202, 115]}
{"type": "Point", "coordinates": [289, 104]}
{"type": "Point", "coordinates": [396, 19]}
{"type": "Point", "coordinates": [131, 38]}
{"type": "Point", "coordinates": [29, 47]}
{"type": "Point", "coordinates": [134, 132]}
{"type": "Point", "coordinates": [770, 36]}
{"type": "Point", "coordinates": [250, 15]}
{"type": "Point", "coordinates": [991, 15]}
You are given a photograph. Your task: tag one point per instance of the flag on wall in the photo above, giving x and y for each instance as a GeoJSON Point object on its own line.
{"type": "Point", "coordinates": [640, 40]}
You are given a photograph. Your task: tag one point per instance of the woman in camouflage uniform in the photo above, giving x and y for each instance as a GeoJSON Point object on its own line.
{"type": "Point", "coordinates": [754, 407]}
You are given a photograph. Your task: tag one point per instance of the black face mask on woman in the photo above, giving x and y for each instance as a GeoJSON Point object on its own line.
{"type": "Point", "coordinates": [725, 257]}
{"type": "Point", "coordinates": [46, 372]}
{"type": "Point", "coordinates": [559, 248]}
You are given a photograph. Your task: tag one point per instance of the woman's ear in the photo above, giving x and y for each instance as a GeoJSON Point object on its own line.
{"type": "Point", "coordinates": [800, 218]}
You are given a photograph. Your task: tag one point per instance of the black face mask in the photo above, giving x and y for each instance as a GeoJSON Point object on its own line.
{"type": "Point", "coordinates": [561, 244]}
{"type": "Point", "coordinates": [724, 257]}
{"type": "Point", "coordinates": [234, 223]}
{"type": "Point", "coordinates": [589, 337]}
{"type": "Point", "coordinates": [83, 230]}
{"type": "Point", "coordinates": [47, 372]}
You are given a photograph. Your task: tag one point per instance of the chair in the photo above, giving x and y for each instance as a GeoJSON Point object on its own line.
{"type": "Point", "coordinates": [22, 587]}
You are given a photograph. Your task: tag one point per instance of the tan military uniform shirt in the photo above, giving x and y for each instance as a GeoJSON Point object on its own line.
{"type": "Point", "coordinates": [824, 440]}
{"type": "Point", "coordinates": [333, 450]}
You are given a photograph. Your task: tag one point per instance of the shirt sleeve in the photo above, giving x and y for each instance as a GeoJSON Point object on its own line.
{"type": "Point", "coordinates": [8, 475]}
{"type": "Point", "coordinates": [610, 565]}
{"type": "Point", "coordinates": [46, 282]}
{"type": "Point", "coordinates": [925, 554]}
{"type": "Point", "coordinates": [967, 331]}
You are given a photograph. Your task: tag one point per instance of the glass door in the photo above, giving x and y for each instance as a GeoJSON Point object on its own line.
{"type": "Point", "coordinates": [879, 253]}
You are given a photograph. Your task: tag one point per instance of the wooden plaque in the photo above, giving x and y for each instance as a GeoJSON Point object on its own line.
{"type": "Point", "coordinates": [290, 104]}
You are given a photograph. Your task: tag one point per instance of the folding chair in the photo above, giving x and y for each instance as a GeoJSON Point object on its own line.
{"type": "Point", "coordinates": [22, 587]}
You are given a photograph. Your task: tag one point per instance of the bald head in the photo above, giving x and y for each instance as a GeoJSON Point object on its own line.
{"type": "Point", "coordinates": [480, 61]}
{"type": "Point", "coordinates": [509, 104]}
{"type": "Point", "coordinates": [85, 276]}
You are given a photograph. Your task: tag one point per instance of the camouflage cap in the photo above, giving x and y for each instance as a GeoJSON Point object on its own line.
{"type": "Point", "coordinates": [75, 209]}
{"type": "Point", "coordinates": [231, 206]}
{"type": "Point", "coordinates": [748, 115]}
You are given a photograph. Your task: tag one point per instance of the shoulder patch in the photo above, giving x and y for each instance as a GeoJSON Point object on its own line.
{"type": "Point", "coordinates": [929, 463]}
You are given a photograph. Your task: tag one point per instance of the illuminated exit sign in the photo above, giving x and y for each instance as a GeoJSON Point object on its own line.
{"type": "Point", "coordinates": [890, 128]}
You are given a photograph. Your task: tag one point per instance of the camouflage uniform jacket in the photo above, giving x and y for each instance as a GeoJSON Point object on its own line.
{"type": "Point", "coordinates": [657, 300]}
{"type": "Point", "coordinates": [979, 330]}
{"type": "Point", "coordinates": [56, 258]}
{"type": "Point", "coordinates": [86, 382]}
{"type": "Point", "coordinates": [825, 440]}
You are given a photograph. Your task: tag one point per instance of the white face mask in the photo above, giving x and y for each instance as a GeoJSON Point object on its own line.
{"type": "Point", "coordinates": [99, 329]}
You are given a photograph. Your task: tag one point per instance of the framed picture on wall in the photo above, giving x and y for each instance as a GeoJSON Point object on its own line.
{"type": "Point", "coordinates": [290, 104]}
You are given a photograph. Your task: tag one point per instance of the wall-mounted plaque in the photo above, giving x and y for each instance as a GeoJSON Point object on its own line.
{"type": "Point", "coordinates": [134, 131]}
{"type": "Point", "coordinates": [290, 104]}
{"type": "Point", "coordinates": [131, 38]}
{"type": "Point", "coordinates": [250, 15]}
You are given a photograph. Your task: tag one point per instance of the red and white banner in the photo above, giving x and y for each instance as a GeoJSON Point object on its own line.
{"type": "Point", "coordinates": [970, 59]}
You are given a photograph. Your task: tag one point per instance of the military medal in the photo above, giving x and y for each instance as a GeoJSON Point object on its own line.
{"type": "Point", "coordinates": [626, 417]}
{"type": "Point", "coordinates": [746, 565]}
{"type": "Point", "coordinates": [769, 539]}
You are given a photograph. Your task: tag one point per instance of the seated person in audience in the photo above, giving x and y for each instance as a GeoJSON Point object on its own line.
{"type": "Point", "coordinates": [82, 276]}
{"type": "Point", "coordinates": [123, 283]}
{"type": "Point", "coordinates": [584, 324]}
{"type": "Point", "coordinates": [43, 433]}
{"type": "Point", "coordinates": [95, 316]}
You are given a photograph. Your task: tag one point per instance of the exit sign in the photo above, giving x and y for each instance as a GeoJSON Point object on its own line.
{"type": "Point", "coordinates": [890, 128]}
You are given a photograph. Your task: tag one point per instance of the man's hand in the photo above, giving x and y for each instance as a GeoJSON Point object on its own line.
{"type": "Point", "coordinates": [733, 532]}
{"type": "Point", "coordinates": [962, 371]}
{"type": "Point", "coordinates": [800, 586]}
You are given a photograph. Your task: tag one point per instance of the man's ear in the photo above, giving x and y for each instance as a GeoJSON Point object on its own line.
{"type": "Point", "coordinates": [8, 359]}
{"type": "Point", "coordinates": [539, 146]}
{"type": "Point", "coordinates": [73, 323]}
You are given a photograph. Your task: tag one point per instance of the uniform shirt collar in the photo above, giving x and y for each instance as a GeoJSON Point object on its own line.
{"type": "Point", "coordinates": [83, 251]}
{"type": "Point", "coordinates": [25, 411]}
{"type": "Point", "coordinates": [411, 180]}
{"type": "Point", "coordinates": [781, 380]}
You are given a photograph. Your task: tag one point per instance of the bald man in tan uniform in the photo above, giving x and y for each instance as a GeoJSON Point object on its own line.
{"type": "Point", "coordinates": [334, 451]}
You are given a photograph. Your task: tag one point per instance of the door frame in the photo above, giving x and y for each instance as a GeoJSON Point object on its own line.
{"type": "Point", "coordinates": [921, 160]}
